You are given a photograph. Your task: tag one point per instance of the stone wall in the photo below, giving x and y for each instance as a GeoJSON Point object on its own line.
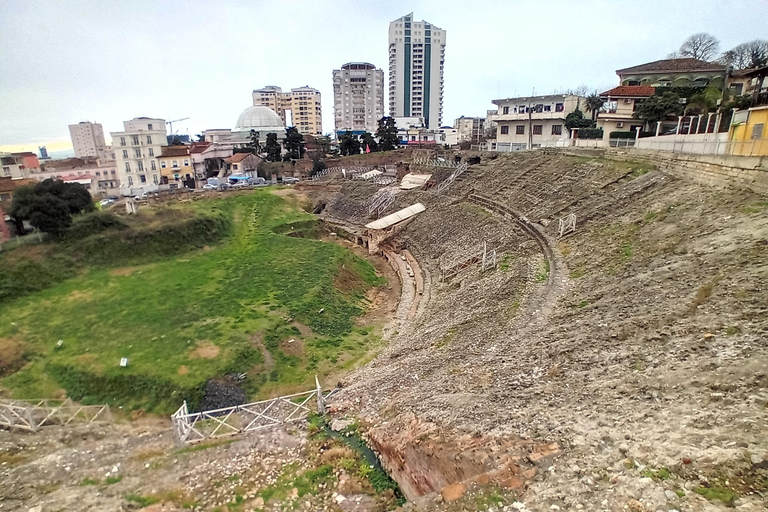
{"type": "Point", "coordinates": [721, 171]}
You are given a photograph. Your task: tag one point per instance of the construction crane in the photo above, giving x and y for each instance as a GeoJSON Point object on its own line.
{"type": "Point", "coordinates": [170, 123]}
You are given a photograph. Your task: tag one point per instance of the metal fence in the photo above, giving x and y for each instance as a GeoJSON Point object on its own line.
{"type": "Point", "coordinates": [670, 143]}
{"type": "Point", "coordinates": [32, 414]}
{"type": "Point", "coordinates": [228, 421]}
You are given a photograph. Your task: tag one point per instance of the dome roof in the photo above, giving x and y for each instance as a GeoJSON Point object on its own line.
{"type": "Point", "coordinates": [259, 118]}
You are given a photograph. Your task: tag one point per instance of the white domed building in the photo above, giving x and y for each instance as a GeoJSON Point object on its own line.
{"type": "Point", "coordinates": [263, 120]}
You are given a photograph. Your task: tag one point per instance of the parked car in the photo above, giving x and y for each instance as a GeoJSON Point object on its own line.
{"type": "Point", "coordinates": [106, 202]}
{"type": "Point", "coordinates": [141, 197]}
{"type": "Point", "coordinates": [208, 186]}
{"type": "Point", "coordinates": [225, 186]}
{"type": "Point", "coordinates": [290, 180]}
{"type": "Point", "coordinates": [241, 185]}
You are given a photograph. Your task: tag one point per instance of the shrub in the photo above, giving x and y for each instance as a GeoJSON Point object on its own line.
{"type": "Point", "coordinates": [590, 133]}
{"type": "Point", "coordinates": [92, 223]}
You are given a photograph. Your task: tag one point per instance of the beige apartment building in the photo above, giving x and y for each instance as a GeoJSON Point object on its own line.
{"type": "Point", "coordinates": [302, 102]}
{"type": "Point", "coordinates": [534, 121]}
{"type": "Point", "coordinates": [358, 97]}
{"type": "Point", "coordinates": [136, 151]}
{"type": "Point", "coordinates": [469, 129]}
{"type": "Point", "coordinates": [88, 140]}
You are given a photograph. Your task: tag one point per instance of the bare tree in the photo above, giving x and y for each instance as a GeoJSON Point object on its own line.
{"type": "Point", "coordinates": [701, 46]}
{"type": "Point", "coordinates": [746, 55]}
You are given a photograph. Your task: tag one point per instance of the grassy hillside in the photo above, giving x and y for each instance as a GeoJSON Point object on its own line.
{"type": "Point", "coordinates": [266, 302]}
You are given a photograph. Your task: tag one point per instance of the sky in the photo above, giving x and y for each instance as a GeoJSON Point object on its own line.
{"type": "Point", "coordinates": [66, 61]}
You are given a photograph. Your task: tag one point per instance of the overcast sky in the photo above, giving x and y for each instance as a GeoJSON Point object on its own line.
{"type": "Point", "coordinates": [65, 61]}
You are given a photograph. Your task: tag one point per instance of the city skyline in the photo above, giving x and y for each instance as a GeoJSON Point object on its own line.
{"type": "Point", "coordinates": [88, 74]}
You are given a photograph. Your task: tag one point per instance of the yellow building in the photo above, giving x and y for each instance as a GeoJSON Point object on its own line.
{"type": "Point", "coordinates": [175, 164]}
{"type": "Point", "coordinates": [749, 136]}
{"type": "Point", "coordinates": [302, 102]}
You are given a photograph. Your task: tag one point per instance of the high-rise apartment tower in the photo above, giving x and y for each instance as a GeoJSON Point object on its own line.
{"type": "Point", "coordinates": [358, 97]}
{"type": "Point", "coordinates": [416, 57]}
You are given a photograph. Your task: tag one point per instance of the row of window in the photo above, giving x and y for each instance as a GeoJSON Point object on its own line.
{"type": "Point", "coordinates": [557, 129]}
{"type": "Point", "coordinates": [135, 139]}
{"type": "Point", "coordinates": [522, 109]}
{"type": "Point", "coordinates": [140, 166]}
{"type": "Point", "coordinates": [174, 163]}
{"type": "Point", "coordinates": [143, 179]}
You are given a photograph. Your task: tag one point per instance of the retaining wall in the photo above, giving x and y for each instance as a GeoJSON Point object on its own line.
{"type": "Point", "coordinates": [722, 171]}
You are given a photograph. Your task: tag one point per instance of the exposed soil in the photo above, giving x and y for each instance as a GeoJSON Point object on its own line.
{"type": "Point", "coordinates": [205, 350]}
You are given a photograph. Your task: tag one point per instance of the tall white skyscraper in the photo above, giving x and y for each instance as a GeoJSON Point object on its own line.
{"type": "Point", "coordinates": [88, 140]}
{"type": "Point", "coordinates": [358, 97]}
{"type": "Point", "coordinates": [416, 57]}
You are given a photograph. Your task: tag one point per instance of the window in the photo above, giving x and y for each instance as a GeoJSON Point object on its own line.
{"type": "Point", "coordinates": [757, 131]}
{"type": "Point", "coordinates": [149, 138]}
{"type": "Point", "coordinates": [505, 130]}
{"type": "Point", "coordinates": [135, 140]}
{"type": "Point", "coordinates": [234, 166]}
{"type": "Point", "coordinates": [557, 129]}
{"type": "Point", "coordinates": [127, 167]}
{"type": "Point", "coordinates": [537, 129]}
{"type": "Point", "coordinates": [140, 166]}
{"type": "Point", "coordinates": [143, 178]}
{"type": "Point", "coordinates": [149, 127]}
{"type": "Point", "coordinates": [130, 181]}
{"type": "Point", "coordinates": [137, 153]}
{"type": "Point", "coordinates": [547, 108]}
{"type": "Point", "coordinates": [125, 153]}
{"type": "Point", "coordinates": [174, 163]}
{"type": "Point", "coordinates": [151, 151]}
{"type": "Point", "coordinates": [162, 164]}
{"type": "Point", "coordinates": [559, 107]}
{"type": "Point", "coordinates": [154, 178]}
{"type": "Point", "coordinates": [153, 166]}
{"type": "Point", "coordinates": [122, 141]}
{"type": "Point", "coordinates": [506, 110]}
{"type": "Point", "coordinates": [520, 129]}
{"type": "Point", "coordinates": [98, 173]}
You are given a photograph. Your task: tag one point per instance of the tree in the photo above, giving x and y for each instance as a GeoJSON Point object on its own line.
{"type": "Point", "coordinates": [576, 120]}
{"type": "Point", "coordinates": [369, 142]}
{"type": "Point", "coordinates": [700, 46]}
{"type": "Point", "coordinates": [272, 148]}
{"type": "Point", "coordinates": [658, 108]}
{"type": "Point", "coordinates": [324, 141]}
{"type": "Point", "coordinates": [317, 166]}
{"type": "Point", "coordinates": [50, 214]}
{"type": "Point", "coordinates": [254, 144]}
{"type": "Point", "coordinates": [49, 205]}
{"type": "Point", "coordinates": [593, 104]}
{"type": "Point", "coordinates": [387, 134]}
{"type": "Point", "coordinates": [746, 55]}
{"type": "Point", "coordinates": [294, 143]}
{"type": "Point", "coordinates": [348, 144]}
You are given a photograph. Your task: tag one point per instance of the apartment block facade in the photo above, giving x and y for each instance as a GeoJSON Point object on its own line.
{"type": "Point", "coordinates": [137, 149]}
{"type": "Point", "coordinates": [358, 97]}
{"type": "Point", "coordinates": [469, 129]}
{"type": "Point", "coordinates": [535, 121]}
{"type": "Point", "coordinates": [416, 58]}
{"type": "Point", "coordinates": [88, 140]}
{"type": "Point", "coordinates": [302, 102]}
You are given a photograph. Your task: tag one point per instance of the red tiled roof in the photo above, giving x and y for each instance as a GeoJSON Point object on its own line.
{"type": "Point", "coordinates": [198, 147]}
{"type": "Point", "coordinates": [175, 151]}
{"type": "Point", "coordinates": [630, 91]}
{"type": "Point", "coordinates": [237, 158]}
{"type": "Point", "coordinates": [673, 66]}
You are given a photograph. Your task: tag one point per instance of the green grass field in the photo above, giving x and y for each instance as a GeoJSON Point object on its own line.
{"type": "Point", "coordinates": [234, 307]}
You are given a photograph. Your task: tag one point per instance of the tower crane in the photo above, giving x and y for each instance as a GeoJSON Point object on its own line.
{"type": "Point", "coordinates": [170, 123]}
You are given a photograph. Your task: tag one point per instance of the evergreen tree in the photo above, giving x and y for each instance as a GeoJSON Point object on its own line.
{"type": "Point", "coordinates": [348, 144]}
{"type": "Point", "coordinates": [369, 142]}
{"type": "Point", "coordinates": [272, 148]}
{"type": "Point", "coordinates": [50, 204]}
{"type": "Point", "coordinates": [658, 108]}
{"type": "Point", "coordinates": [254, 144]}
{"type": "Point", "coordinates": [387, 134]}
{"type": "Point", "coordinates": [294, 143]}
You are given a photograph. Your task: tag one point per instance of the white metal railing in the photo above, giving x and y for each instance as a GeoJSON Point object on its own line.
{"type": "Point", "coordinates": [228, 421]}
{"type": "Point", "coordinates": [32, 414]}
{"type": "Point", "coordinates": [566, 225]}
{"type": "Point", "coordinates": [380, 203]}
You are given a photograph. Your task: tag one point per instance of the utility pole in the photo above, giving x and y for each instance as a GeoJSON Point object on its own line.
{"type": "Point", "coordinates": [530, 126]}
